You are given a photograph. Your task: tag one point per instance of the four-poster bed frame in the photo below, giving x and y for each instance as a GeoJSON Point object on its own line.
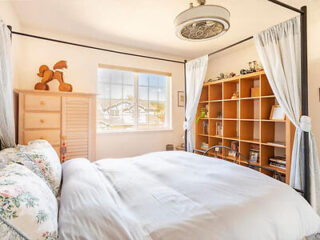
{"type": "Point", "coordinates": [304, 71]}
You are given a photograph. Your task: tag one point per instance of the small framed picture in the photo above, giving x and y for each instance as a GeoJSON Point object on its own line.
{"type": "Point", "coordinates": [254, 156]}
{"type": "Point", "coordinates": [180, 99]}
{"type": "Point", "coordinates": [277, 113]}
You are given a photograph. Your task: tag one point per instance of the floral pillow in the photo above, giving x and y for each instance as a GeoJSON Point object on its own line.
{"type": "Point", "coordinates": [14, 155]}
{"type": "Point", "coordinates": [46, 159]}
{"type": "Point", "coordinates": [27, 204]}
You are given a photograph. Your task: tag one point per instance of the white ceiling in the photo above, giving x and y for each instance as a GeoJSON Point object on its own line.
{"type": "Point", "coordinates": [147, 24]}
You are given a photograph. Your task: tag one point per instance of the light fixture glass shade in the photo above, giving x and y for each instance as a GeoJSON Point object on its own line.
{"type": "Point", "coordinates": [202, 23]}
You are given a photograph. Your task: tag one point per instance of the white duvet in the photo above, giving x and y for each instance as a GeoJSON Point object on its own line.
{"type": "Point", "coordinates": [178, 196]}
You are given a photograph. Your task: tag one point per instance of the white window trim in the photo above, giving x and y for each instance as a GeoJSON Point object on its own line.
{"type": "Point", "coordinates": [169, 101]}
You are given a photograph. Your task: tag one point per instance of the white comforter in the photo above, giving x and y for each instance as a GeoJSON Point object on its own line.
{"type": "Point", "coordinates": [178, 196]}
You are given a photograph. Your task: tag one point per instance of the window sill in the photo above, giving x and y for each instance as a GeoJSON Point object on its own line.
{"type": "Point", "coordinates": [134, 131]}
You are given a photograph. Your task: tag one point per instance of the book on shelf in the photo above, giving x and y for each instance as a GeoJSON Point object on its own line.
{"type": "Point", "coordinates": [204, 146]}
{"type": "Point", "coordinates": [278, 161]}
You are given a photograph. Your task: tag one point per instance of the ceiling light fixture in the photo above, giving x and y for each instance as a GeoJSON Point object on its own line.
{"type": "Point", "coordinates": [202, 22]}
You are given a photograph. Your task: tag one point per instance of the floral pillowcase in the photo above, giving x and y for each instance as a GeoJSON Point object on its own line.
{"type": "Point", "coordinates": [39, 157]}
{"type": "Point", "coordinates": [27, 204]}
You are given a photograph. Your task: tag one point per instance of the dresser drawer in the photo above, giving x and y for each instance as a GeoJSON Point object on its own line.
{"type": "Point", "coordinates": [52, 136]}
{"type": "Point", "coordinates": [42, 103]}
{"type": "Point", "coordinates": [41, 120]}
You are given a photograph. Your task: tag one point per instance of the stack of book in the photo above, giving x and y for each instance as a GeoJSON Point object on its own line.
{"type": "Point", "coordinates": [279, 162]}
{"type": "Point", "coordinates": [204, 146]}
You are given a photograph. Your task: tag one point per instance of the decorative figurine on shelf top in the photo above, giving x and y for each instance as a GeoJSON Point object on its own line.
{"type": "Point", "coordinates": [253, 67]}
{"type": "Point", "coordinates": [235, 95]}
{"type": "Point", "coordinates": [48, 75]}
{"type": "Point", "coordinates": [226, 75]}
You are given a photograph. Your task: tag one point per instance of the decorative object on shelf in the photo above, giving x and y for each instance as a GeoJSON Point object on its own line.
{"type": "Point", "coordinates": [169, 147]}
{"type": "Point", "coordinates": [202, 114]}
{"type": "Point", "coordinates": [48, 75]}
{"type": "Point", "coordinates": [254, 66]}
{"type": "Point", "coordinates": [204, 146]}
{"type": "Point", "coordinates": [221, 76]}
{"type": "Point", "coordinates": [278, 161]}
{"type": "Point", "coordinates": [277, 113]}
{"type": "Point", "coordinates": [254, 153]}
{"type": "Point", "coordinates": [235, 95]}
{"type": "Point", "coordinates": [180, 98]}
{"type": "Point", "coordinates": [225, 75]}
{"type": "Point", "coordinates": [234, 145]}
{"type": "Point", "coordinates": [254, 156]}
{"type": "Point", "coordinates": [205, 127]}
{"type": "Point", "coordinates": [202, 22]}
{"type": "Point", "coordinates": [219, 115]}
{"type": "Point", "coordinates": [219, 128]}
{"type": "Point", "coordinates": [255, 92]}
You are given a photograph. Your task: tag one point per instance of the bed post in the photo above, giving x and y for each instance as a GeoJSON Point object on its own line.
{"type": "Point", "coordinates": [304, 93]}
{"type": "Point", "coordinates": [185, 103]}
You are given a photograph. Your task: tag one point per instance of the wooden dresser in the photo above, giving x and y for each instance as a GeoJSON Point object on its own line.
{"type": "Point", "coordinates": [58, 117]}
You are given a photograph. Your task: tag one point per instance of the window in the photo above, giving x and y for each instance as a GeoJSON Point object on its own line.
{"type": "Point", "coordinates": [132, 100]}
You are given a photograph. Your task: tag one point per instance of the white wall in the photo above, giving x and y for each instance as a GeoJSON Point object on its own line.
{"type": "Point", "coordinates": [82, 74]}
{"type": "Point", "coordinates": [236, 58]}
{"type": "Point", "coordinates": [9, 17]}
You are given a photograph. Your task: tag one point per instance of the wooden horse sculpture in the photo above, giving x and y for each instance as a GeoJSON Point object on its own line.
{"type": "Point", "coordinates": [48, 75]}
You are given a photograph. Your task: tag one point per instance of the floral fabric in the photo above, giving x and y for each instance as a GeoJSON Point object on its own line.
{"type": "Point", "coordinates": [39, 157]}
{"type": "Point", "coordinates": [27, 204]}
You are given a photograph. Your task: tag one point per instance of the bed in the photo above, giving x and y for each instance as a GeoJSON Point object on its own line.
{"type": "Point", "coordinates": [178, 195]}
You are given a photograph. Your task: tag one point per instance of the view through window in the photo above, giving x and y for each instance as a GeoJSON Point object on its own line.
{"type": "Point", "coordinates": [131, 100]}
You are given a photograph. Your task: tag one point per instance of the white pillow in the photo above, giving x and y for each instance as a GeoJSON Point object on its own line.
{"type": "Point", "coordinates": [27, 203]}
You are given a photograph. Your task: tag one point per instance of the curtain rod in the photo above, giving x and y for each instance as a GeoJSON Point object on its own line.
{"type": "Point", "coordinates": [92, 47]}
{"type": "Point", "coordinates": [230, 46]}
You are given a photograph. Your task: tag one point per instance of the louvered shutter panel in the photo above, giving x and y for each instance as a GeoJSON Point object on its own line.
{"type": "Point", "coordinates": [76, 126]}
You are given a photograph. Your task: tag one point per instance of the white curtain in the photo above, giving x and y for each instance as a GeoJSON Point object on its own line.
{"type": "Point", "coordinates": [7, 130]}
{"type": "Point", "coordinates": [280, 53]}
{"type": "Point", "coordinates": [195, 73]}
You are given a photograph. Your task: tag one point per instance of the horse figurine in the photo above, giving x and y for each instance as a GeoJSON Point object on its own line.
{"type": "Point", "coordinates": [48, 75]}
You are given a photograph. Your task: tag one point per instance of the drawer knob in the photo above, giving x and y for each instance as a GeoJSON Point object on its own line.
{"type": "Point", "coordinates": [41, 138]}
{"type": "Point", "coordinates": [42, 102]}
{"type": "Point", "coordinates": [41, 120]}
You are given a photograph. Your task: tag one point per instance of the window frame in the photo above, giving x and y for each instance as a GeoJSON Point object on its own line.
{"type": "Point", "coordinates": [136, 72]}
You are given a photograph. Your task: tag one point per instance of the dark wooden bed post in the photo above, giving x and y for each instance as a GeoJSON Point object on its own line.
{"type": "Point", "coordinates": [304, 103]}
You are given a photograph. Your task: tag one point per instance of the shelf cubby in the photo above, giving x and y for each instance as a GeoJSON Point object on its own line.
{"type": "Point", "coordinates": [201, 139]}
{"type": "Point", "coordinates": [229, 88]}
{"type": "Point", "coordinates": [265, 86]}
{"type": "Point", "coordinates": [249, 131]}
{"type": "Point", "coordinates": [245, 150]}
{"type": "Point", "coordinates": [212, 127]}
{"type": "Point", "coordinates": [252, 81]}
{"type": "Point", "coordinates": [250, 109]}
{"type": "Point", "coordinates": [230, 109]}
{"type": "Point", "coordinates": [266, 106]}
{"type": "Point", "coordinates": [230, 129]}
{"type": "Point", "coordinates": [215, 108]}
{"type": "Point", "coordinates": [201, 126]}
{"type": "Point", "coordinates": [215, 92]}
{"type": "Point", "coordinates": [204, 94]}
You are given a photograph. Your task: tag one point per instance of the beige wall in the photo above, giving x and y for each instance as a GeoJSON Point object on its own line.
{"type": "Point", "coordinates": [82, 74]}
{"type": "Point", "coordinates": [236, 58]}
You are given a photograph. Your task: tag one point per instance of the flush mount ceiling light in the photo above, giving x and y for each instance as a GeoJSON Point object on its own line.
{"type": "Point", "coordinates": [202, 22]}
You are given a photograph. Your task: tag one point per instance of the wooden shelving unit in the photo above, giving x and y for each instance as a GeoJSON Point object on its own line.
{"type": "Point", "coordinates": [245, 120]}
